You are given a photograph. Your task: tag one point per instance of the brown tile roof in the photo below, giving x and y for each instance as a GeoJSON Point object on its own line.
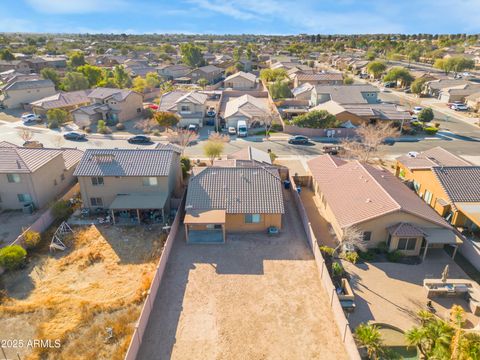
{"type": "Point", "coordinates": [63, 99]}
{"type": "Point", "coordinates": [404, 229]}
{"type": "Point", "coordinates": [436, 156]}
{"type": "Point", "coordinates": [359, 192]}
{"type": "Point", "coordinates": [320, 77]}
{"type": "Point", "coordinates": [251, 153]}
{"type": "Point", "coordinates": [461, 183]}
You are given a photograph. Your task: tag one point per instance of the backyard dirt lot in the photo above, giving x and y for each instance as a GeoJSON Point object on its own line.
{"type": "Point", "coordinates": [254, 297]}
{"type": "Point", "coordinates": [74, 296]}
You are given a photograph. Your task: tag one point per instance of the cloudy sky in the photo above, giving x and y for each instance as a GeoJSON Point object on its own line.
{"type": "Point", "coordinates": [241, 16]}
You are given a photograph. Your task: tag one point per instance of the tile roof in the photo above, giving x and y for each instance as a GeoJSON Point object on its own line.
{"type": "Point", "coordinates": [404, 229]}
{"type": "Point", "coordinates": [427, 159]}
{"type": "Point", "coordinates": [251, 153]}
{"type": "Point", "coordinates": [378, 111]}
{"type": "Point", "coordinates": [248, 76]}
{"type": "Point", "coordinates": [63, 99]}
{"type": "Point", "coordinates": [238, 190]}
{"type": "Point", "coordinates": [305, 87]}
{"type": "Point", "coordinates": [346, 94]}
{"type": "Point", "coordinates": [104, 93]}
{"type": "Point", "coordinates": [125, 162]}
{"type": "Point", "coordinates": [461, 183]}
{"type": "Point", "coordinates": [169, 100]}
{"type": "Point", "coordinates": [359, 192]}
{"type": "Point", "coordinates": [247, 105]}
{"type": "Point", "coordinates": [28, 84]}
{"type": "Point", "coordinates": [320, 77]}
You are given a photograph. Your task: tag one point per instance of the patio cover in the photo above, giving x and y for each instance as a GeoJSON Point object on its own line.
{"type": "Point", "coordinates": [470, 210]}
{"type": "Point", "coordinates": [205, 217]}
{"type": "Point", "coordinates": [140, 201]}
{"type": "Point", "coordinates": [441, 236]}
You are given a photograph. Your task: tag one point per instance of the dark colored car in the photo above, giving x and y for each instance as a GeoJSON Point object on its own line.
{"type": "Point", "coordinates": [139, 139]}
{"type": "Point", "coordinates": [332, 149]}
{"type": "Point", "coordinates": [75, 136]}
{"type": "Point", "coordinates": [388, 141]}
{"type": "Point", "coordinates": [298, 139]}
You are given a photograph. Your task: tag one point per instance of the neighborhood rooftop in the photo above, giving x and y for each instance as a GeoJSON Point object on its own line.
{"type": "Point", "coordinates": [436, 156]}
{"type": "Point", "coordinates": [461, 183]}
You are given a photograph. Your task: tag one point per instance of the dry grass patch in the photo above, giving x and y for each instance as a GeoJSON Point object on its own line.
{"type": "Point", "coordinates": [98, 284]}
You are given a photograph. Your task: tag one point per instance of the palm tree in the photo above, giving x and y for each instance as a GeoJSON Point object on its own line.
{"type": "Point", "coordinates": [416, 337]}
{"type": "Point", "coordinates": [469, 348]}
{"type": "Point", "coordinates": [368, 336]}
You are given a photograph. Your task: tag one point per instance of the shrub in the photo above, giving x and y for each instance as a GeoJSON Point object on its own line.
{"type": "Point", "coordinates": [120, 126]}
{"type": "Point", "coordinates": [61, 210]}
{"type": "Point", "coordinates": [394, 256]}
{"type": "Point", "coordinates": [337, 269]}
{"type": "Point", "coordinates": [202, 163]}
{"type": "Point", "coordinates": [186, 165]}
{"type": "Point", "coordinates": [351, 256]}
{"type": "Point", "coordinates": [426, 115]}
{"type": "Point", "coordinates": [327, 250]}
{"type": "Point", "coordinates": [416, 123]}
{"type": "Point", "coordinates": [53, 124]}
{"type": "Point", "coordinates": [430, 130]}
{"type": "Point", "coordinates": [367, 255]}
{"type": "Point", "coordinates": [12, 257]}
{"type": "Point", "coordinates": [102, 127]}
{"type": "Point", "coordinates": [382, 247]}
{"type": "Point", "coordinates": [88, 129]}
{"type": "Point", "coordinates": [31, 239]}
{"type": "Point", "coordinates": [316, 119]}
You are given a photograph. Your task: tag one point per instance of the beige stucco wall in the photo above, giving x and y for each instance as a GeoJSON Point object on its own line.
{"type": "Point", "coordinates": [239, 83]}
{"type": "Point", "coordinates": [129, 109]}
{"type": "Point", "coordinates": [15, 98]}
{"type": "Point", "coordinates": [236, 222]}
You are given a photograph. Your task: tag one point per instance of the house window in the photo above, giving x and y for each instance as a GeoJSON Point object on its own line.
{"type": "Point", "coordinates": [416, 185]}
{"type": "Point", "coordinates": [62, 177]}
{"type": "Point", "coordinates": [97, 181]}
{"type": "Point", "coordinates": [407, 243]}
{"type": "Point", "coordinates": [13, 178]}
{"type": "Point", "coordinates": [96, 201]}
{"type": "Point", "coordinates": [252, 218]}
{"type": "Point", "coordinates": [139, 110]}
{"type": "Point", "coordinates": [367, 235]}
{"type": "Point", "coordinates": [150, 181]}
{"type": "Point", "coordinates": [428, 197]}
{"type": "Point", "coordinates": [24, 198]}
{"type": "Point", "coordinates": [184, 108]}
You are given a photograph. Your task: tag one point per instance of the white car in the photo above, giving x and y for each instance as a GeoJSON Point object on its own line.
{"type": "Point", "coordinates": [417, 109]}
{"type": "Point", "coordinates": [27, 118]}
{"type": "Point", "coordinates": [459, 107]}
{"type": "Point", "coordinates": [231, 130]}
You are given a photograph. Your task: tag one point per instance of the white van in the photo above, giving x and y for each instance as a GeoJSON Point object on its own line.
{"type": "Point", "coordinates": [242, 130]}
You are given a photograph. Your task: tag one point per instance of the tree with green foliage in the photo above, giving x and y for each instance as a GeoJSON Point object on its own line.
{"type": "Point", "coordinates": [316, 119]}
{"type": "Point", "coordinates": [139, 84]}
{"type": "Point", "coordinates": [280, 90]}
{"type": "Point", "coordinates": [237, 53]}
{"type": "Point", "coordinates": [202, 82]}
{"type": "Point", "coordinates": [12, 257]}
{"type": "Point", "coordinates": [94, 74]}
{"type": "Point", "coordinates": [166, 119]}
{"type": "Point", "coordinates": [75, 81]}
{"type": "Point", "coordinates": [76, 59]}
{"type": "Point", "coordinates": [61, 210]}
{"type": "Point", "coordinates": [121, 77]}
{"type": "Point", "coordinates": [455, 63]}
{"type": "Point", "coordinates": [271, 75]}
{"type": "Point", "coordinates": [7, 55]}
{"type": "Point", "coordinates": [369, 337]}
{"type": "Point", "coordinates": [31, 239]}
{"type": "Point", "coordinates": [57, 117]}
{"type": "Point", "coordinates": [347, 80]}
{"type": "Point", "coordinates": [213, 149]}
{"type": "Point", "coordinates": [186, 165]}
{"type": "Point", "coordinates": [192, 55]}
{"type": "Point", "coordinates": [51, 74]}
{"type": "Point", "coordinates": [397, 74]}
{"type": "Point", "coordinates": [152, 80]}
{"type": "Point", "coordinates": [376, 68]}
{"type": "Point", "coordinates": [426, 115]}
{"type": "Point", "coordinates": [418, 86]}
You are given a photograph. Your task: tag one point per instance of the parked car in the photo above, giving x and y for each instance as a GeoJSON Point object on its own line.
{"type": "Point", "coordinates": [232, 131]}
{"type": "Point", "coordinates": [29, 118]}
{"type": "Point", "coordinates": [388, 141]}
{"type": "Point", "coordinates": [76, 136]}
{"type": "Point", "coordinates": [211, 112]}
{"type": "Point", "coordinates": [332, 149]}
{"type": "Point", "coordinates": [459, 107]}
{"type": "Point", "coordinates": [298, 139]}
{"type": "Point", "coordinates": [390, 84]}
{"type": "Point", "coordinates": [417, 109]}
{"type": "Point", "coordinates": [363, 76]}
{"type": "Point", "coordinates": [139, 139]}
{"type": "Point", "coordinates": [193, 127]}
{"type": "Point", "coordinates": [242, 130]}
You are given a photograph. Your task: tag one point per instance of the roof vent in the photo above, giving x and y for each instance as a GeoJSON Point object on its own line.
{"type": "Point", "coordinates": [368, 200]}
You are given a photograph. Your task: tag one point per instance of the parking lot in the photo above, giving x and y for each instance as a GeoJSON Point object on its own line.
{"type": "Point", "coordinates": [254, 297]}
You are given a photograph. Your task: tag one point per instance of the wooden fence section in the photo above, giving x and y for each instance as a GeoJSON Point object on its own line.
{"type": "Point", "coordinates": [336, 307]}
{"type": "Point", "coordinates": [142, 323]}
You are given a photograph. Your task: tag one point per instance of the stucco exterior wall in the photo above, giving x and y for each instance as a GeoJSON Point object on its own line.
{"type": "Point", "coordinates": [15, 98]}
{"type": "Point", "coordinates": [236, 222]}
{"type": "Point", "coordinates": [128, 109]}
{"type": "Point", "coordinates": [240, 83]}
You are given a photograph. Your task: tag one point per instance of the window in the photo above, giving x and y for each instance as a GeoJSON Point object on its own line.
{"type": "Point", "coordinates": [96, 202]}
{"type": "Point", "coordinates": [62, 177]}
{"type": "Point", "coordinates": [184, 108]}
{"type": "Point", "coordinates": [407, 243]}
{"type": "Point", "coordinates": [13, 178]}
{"type": "Point", "coordinates": [252, 218]}
{"type": "Point", "coordinates": [97, 181]}
{"type": "Point", "coordinates": [24, 198]}
{"type": "Point", "coordinates": [428, 197]}
{"type": "Point", "coordinates": [150, 181]}
{"type": "Point", "coordinates": [416, 185]}
{"type": "Point", "coordinates": [367, 235]}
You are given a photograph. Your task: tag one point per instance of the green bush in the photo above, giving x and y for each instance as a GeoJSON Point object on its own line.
{"type": "Point", "coordinates": [53, 124]}
{"type": "Point", "coordinates": [61, 210]}
{"type": "Point", "coordinates": [31, 239]}
{"type": "Point", "coordinates": [337, 269]}
{"type": "Point", "coordinates": [277, 127]}
{"type": "Point", "coordinates": [430, 130]}
{"type": "Point", "coordinates": [394, 256]}
{"type": "Point", "coordinates": [327, 250]}
{"type": "Point", "coordinates": [186, 165]}
{"type": "Point", "coordinates": [351, 256]}
{"type": "Point", "coordinates": [416, 124]}
{"type": "Point", "coordinates": [12, 257]}
{"type": "Point", "coordinates": [88, 129]}
{"type": "Point", "coordinates": [382, 247]}
{"type": "Point", "coordinates": [367, 255]}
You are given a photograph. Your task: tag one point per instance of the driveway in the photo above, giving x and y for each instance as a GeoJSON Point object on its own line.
{"type": "Point", "coordinates": [254, 297]}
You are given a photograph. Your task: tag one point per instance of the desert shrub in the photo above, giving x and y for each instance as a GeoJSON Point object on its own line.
{"type": "Point", "coordinates": [186, 165]}
{"type": "Point", "coordinates": [416, 123]}
{"type": "Point", "coordinates": [367, 255]}
{"type": "Point", "coordinates": [31, 239]}
{"type": "Point", "coordinates": [12, 257]}
{"type": "Point", "coordinates": [430, 130]}
{"type": "Point", "coordinates": [61, 210]}
{"type": "Point", "coordinates": [53, 124]}
{"type": "Point", "coordinates": [3, 295]}
{"type": "Point", "coordinates": [102, 127]}
{"type": "Point", "coordinates": [88, 129]}
{"type": "Point", "coordinates": [351, 256]}
{"type": "Point", "coordinates": [120, 126]}
{"type": "Point", "coordinates": [394, 256]}
{"type": "Point", "coordinates": [327, 250]}
{"type": "Point", "coordinates": [337, 269]}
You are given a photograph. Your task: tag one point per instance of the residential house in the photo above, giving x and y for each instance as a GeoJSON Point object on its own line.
{"type": "Point", "coordinates": [253, 110]}
{"type": "Point", "coordinates": [251, 154]}
{"type": "Point", "coordinates": [344, 94]}
{"type": "Point", "coordinates": [39, 63]}
{"type": "Point", "coordinates": [458, 93]}
{"type": "Point", "coordinates": [211, 73]}
{"type": "Point", "coordinates": [135, 185]}
{"type": "Point", "coordinates": [241, 81]}
{"type": "Point", "coordinates": [303, 92]}
{"type": "Point", "coordinates": [190, 106]}
{"type": "Point", "coordinates": [34, 176]}
{"type": "Point", "coordinates": [322, 78]}
{"type": "Point", "coordinates": [22, 92]}
{"type": "Point", "coordinates": [18, 65]}
{"type": "Point", "coordinates": [63, 100]}
{"type": "Point", "coordinates": [357, 196]}
{"type": "Point", "coordinates": [170, 72]}
{"type": "Point", "coordinates": [433, 88]}
{"type": "Point", "coordinates": [232, 199]}
{"type": "Point", "coordinates": [473, 101]}
{"type": "Point", "coordinates": [112, 105]}
{"type": "Point", "coordinates": [447, 183]}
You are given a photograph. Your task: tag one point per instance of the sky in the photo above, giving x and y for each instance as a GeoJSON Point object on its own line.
{"type": "Point", "coordinates": [282, 17]}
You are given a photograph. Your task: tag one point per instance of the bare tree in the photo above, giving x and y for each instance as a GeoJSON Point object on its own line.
{"type": "Point", "coordinates": [182, 137]}
{"type": "Point", "coordinates": [216, 136]}
{"type": "Point", "coordinates": [352, 239]}
{"type": "Point", "coordinates": [26, 134]}
{"type": "Point", "coordinates": [371, 137]}
{"type": "Point", "coordinates": [268, 119]}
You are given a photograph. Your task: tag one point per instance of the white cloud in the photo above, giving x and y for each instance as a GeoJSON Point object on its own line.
{"type": "Point", "coordinates": [225, 7]}
{"type": "Point", "coordinates": [76, 6]}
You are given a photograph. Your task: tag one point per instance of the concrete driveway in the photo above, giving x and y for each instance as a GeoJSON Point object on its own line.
{"type": "Point", "coordinates": [255, 297]}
